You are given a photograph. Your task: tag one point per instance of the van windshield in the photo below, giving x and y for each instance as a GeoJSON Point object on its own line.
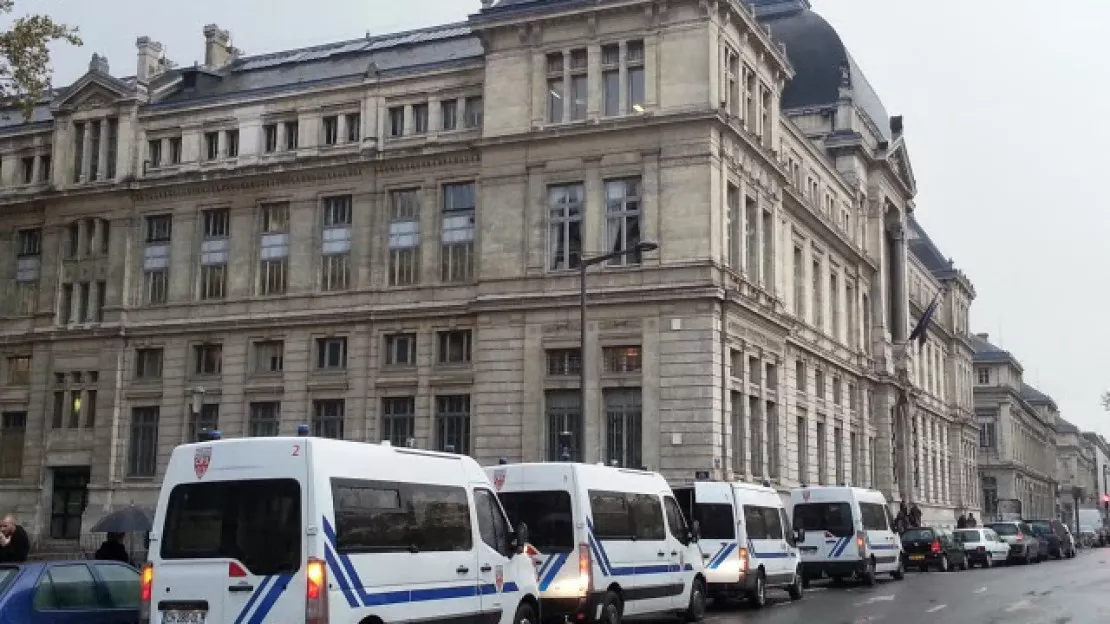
{"type": "Point", "coordinates": [548, 516]}
{"type": "Point", "coordinates": [836, 518]}
{"type": "Point", "coordinates": [256, 522]}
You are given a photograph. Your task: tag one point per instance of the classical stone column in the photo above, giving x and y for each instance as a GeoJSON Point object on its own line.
{"type": "Point", "coordinates": [622, 87]}
{"type": "Point", "coordinates": [102, 153]}
{"type": "Point", "coordinates": [86, 151]}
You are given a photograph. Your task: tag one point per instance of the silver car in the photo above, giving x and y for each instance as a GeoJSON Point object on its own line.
{"type": "Point", "coordinates": [1024, 546]}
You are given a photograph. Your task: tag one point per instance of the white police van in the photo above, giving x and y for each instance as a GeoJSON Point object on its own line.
{"type": "Point", "coordinates": [611, 542]}
{"type": "Point", "coordinates": [746, 538]}
{"type": "Point", "coordinates": [847, 532]}
{"type": "Point", "coordinates": [301, 529]}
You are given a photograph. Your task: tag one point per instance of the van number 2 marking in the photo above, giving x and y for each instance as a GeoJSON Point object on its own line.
{"type": "Point", "coordinates": [296, 450]}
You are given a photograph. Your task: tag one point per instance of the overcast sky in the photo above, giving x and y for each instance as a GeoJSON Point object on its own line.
{"type": "Point", "coordinates": [1005, 103]}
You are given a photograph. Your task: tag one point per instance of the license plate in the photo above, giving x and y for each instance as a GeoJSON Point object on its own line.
{"type": "Point", "coordinates": [184, 617]}
{"type": "Point", "coordinates": [917, 557]}
{"type": "Point", "coordinates": [809, 549]}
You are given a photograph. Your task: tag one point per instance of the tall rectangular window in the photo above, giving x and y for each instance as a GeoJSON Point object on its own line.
{"type": "Point", "coordinates": [142, 456]}
{"type": "Point", "coordinates": [751, 236]}
{"type": "Point", "coordinates": [818, 295]}
{"type": "Point", "coordinates": [329, 127]}
{"type": "Point", "coordinates": [28, 267]}
{"type": "Point", "coordinates": [634, 61]}
{"type": "Point", "coordinates": [110, 153]}
{"type": "Point", "coordinates": [457, 250]}
{"type": "Point", "coordinates": [292, 129]}
{"type": "Point", "coordinates": [214, 253]}
{"type": "Point", "coordinates": [273, 269]}
{"type": "Point", "coordinates": [268, 357]}
{"type": "Point", "coordinates": [13, 433]}
{"type": "Point", "coordinates": [453, 347]}
{"type": "Point", "coordinates": [19, 370]}
{"type": "Point", "coordinates": [850, 315]}
{"type": "Point", "coordinates": [420, 118]}
{"type": "Point", "coordinates": [327, 418]}
{"type": "Point", "coordinates": [773, 447]}
{"type": "Point", "coordinates": [453, 423]}
{"type": "Point", "coordinates": [739, 432]}
{"type": "Point", "coordinates": [564, 362]}
{"type": "Point", "coordinates": [799, 283]}
{"type": "Point", "coordinates": [211, 145]}
{"type": "Point", "coordinates": [838, 453]}
{"type": "Point", "coordinates": [565, 208]}
{"type": "Point", "coordinates": [768, 250]}
{"type": "Point", "coordinates": [562, 409]}
{"type": "Point", "coordinates": [400, 350]}
{"type": "Point", "coordinates": [732, 229]}
{"type": "Point", "coordinates": [156, 259]}
{"type": "Point", "coordinates": [331, 354]}
{"type": "Point", "coordinates": [610, 80]}
{"type": "Point", "coordinates": [94, 150]}
{"type": "Point", "coordinates": [208, 359]}
{"type": "Point", "coordinates": [834, 304]}
{"type": "Point", "coordinates": [556, 88]}
{"type": "Point", "coordinates": [397, 121]}
{"type": "Point", "coordinates": [449, 115]}
{"type": "Point", "coordinates": [622, 220]}
{"type": "Point", "coordinates": [857, 459]}
{"type": "Point", "coordinates": [732, 82]}
{"type": "Point", "coordinates": [473, 111]}
{"type": "Point", "coordinates": [78, 149]}
{"type": "Point", "coordinates": [148, 363]}
{"type": "Point", "coordinates": [404, 237]}
{"type": "Point", "coordinates": [269, 138]}
{"type": "Point", "coordinates": [579, 84]}
{"type": "Point", "coordinates": [264, 419]}
{"type": "Point", "coordinates": [822, 454]}
{"type": "Point", "coordinates": [335, 248]}
{"type": "Point", "coordinates": [623, 427]}
{"type": "Point", "coordinates": [755, 436]}
{"type": "Point", "coordinates": [231, 143]}
{"type": "Point", "coordinates": [398, 420]}
{"type": "Point", "coordinates": [802, 431]}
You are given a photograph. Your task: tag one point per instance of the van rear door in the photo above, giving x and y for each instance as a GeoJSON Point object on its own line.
{"type": "Point", "coordinates": [231, 549]}
{"type": "Point", "coordinates": [829, 530]}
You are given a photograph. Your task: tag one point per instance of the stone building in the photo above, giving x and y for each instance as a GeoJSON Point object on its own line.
{"type": "Point", "coordinates": [1102, 473]}
{"type": "Point", "coordinates": [406, 213]}
{"type": "Point", "coordinates": [1076, 470]}
{"type": "Point", "coordinates": [1017, 436]}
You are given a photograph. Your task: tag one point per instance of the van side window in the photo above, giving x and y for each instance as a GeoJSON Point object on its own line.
{"type": "Point", "coordinates": [492, 525]}
{"type": "Point", "coordinates": [675, 520]}
{"type": "Point", "coordinates": [873, 516]}
{"type": "Point", "coordinates": [385, 516]}
{"type": "Point", "coordinates": [647, 517]}
{"type": "Point", "coordinates": [611, 517]}
{"type": "Point", "coordinates": [755, 523]}
{"type": "Point", "coordinates": [773, 521]}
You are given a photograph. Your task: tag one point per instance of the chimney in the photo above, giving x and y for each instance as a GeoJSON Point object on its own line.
{"type": "Point", "coordinates": [986, 337]}
{"type": "Point", "coordinates": [486, 4]}
{"type": "Point", "coordinates": [217, 47]}
{"type": "Point", "coordinates": [149, 63]}
{"type": "Point", "coordinates": [99, 64]}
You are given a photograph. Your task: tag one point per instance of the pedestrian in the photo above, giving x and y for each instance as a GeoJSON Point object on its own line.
{"type": "Point", "coordinates": [902, 520]}
{"type": "Point", "coordinates": [112, 549]}
{"type": "Point", "coordinates": [971, 522]}
{"type": "Point", "coordinates": [961, 522]}
{"type": "Point", "coordinates": [915, 516]}
{"type": "Point", "coordinates": [15, 546]}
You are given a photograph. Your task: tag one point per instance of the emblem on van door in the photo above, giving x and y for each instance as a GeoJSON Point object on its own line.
{"type": "Point", "coordinates": [499, 578]}
{"type": "Point", "coordinates": [498, 479]}
{"type": "Point", "coordinates": [201, 461]}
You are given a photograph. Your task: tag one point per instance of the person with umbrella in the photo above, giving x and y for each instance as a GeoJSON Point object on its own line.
{"type": "Point", "coordinates": [113, 549]}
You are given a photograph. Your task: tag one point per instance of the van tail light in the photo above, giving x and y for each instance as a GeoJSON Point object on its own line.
{"type": "Point", "coordinates": [743, 552]}
{"type": "Point", "coordinates": [935, 546]}
{"type": "Point", "coordinates": [316, 592]}
{"type": "Point", "coordinates": [861, 544]}
{"type": "Point", "coordinates": [982, 549]}
{"type": "Point", "coordinates": [146, 582]}
{"type": "Point", "coordinates": [234, 570]}
{"type": "Point", "coordinates": [585, 570]}
{"type": "Point", "coordinates": [1020, 537]}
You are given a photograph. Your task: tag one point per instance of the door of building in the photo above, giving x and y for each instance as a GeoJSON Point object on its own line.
{"type": "Point", "coordinates": [70, 497]}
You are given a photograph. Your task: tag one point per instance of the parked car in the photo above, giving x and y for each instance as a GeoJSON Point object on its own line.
{"type": "Point", "coordinates": [1055, 537]}
{"type": "Point", "coordinates": [927, 548]}
{"type": "Point", "coordinates": [61, 592]}
{"type": "Point", "coordinates": [982, 546]}
{"type": "Point", "coordinates": [1024, 546]}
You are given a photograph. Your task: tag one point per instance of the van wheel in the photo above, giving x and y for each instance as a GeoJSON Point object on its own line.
{"type": "Point", "coordinates": [525, 614]}
{"type": "Point", "coordinates": [869, 574]}
{"type": "Point", "coordinates": [899, 573]}
{"type": "Point", "coordinates": [758, 597]}
{"type": "Point", "coordinates": [696, 611]}
{"type": "Point", "coordinates": [795, 589]}
{"type": "Point", "coordinates": [612, 611]}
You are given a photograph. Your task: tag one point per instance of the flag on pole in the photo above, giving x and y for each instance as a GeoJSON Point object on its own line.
{"type": "Point", "coordinates": [920, 331]}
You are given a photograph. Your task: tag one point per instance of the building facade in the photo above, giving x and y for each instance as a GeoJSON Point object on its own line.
{"type": "Point", "coordinates": [1102, 473]}
{"type": "Point", "coordinates": [1017, 437]}
{"type": "Point", "coordinates": [406, 215]}
{"type": "Point", "coordinates": [1076, 471]}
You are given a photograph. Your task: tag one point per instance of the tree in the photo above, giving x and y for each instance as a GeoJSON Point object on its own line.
{"type": "Point", "coordinates": [25, 58]}
{"type": "Point", "coordinates": [1106, 401]}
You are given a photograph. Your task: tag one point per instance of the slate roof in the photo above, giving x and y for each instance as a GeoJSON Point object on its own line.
{"type": "Point", "coordinates": [1064, 426]}
{"type": "Point", "coordinates": [987, 352]}
{"type": "Point", "coordinates": [818, 55]}
{"type": "Point", "coordinates": [1036, 397]}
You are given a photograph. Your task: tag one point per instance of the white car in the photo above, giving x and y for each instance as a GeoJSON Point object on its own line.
{"type": "Point", "coordinates": [982, 546]}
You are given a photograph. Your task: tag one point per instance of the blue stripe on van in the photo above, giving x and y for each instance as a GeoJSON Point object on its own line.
{"type": "Point", "coordinates": [339, 576]}
{"type": "Point", "coordinates": [368, 599]}
{"type": "Point", "coordinates": [253, 599]}
{"type": "Point", "coordinates": [552, 570]}
{"type": "Point", "coordinates": [608, 570]}
{"type": "Point", "coordinates": [766, 555]}
{"type": "Point", "coordinates": [721, 556]}
{"type": "Point", "coordinates": [841, 545]}
{"type": "Point", "coordinates": [271, 597]}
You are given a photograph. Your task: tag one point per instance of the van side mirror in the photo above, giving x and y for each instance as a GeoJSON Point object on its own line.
{"type": "Point", "coordinates": [520, 538]}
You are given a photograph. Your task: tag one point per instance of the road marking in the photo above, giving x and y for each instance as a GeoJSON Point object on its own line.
{"type": "Point", "coordinates": [981, 590]}
{"type": "Point", "coordinates": [874, 599]}
{"type": "Point", "coordinates": [1017, 606]}
{"type": "Point", "coordinates": [935, 609]}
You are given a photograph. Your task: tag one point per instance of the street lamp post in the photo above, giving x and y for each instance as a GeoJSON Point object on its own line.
{"type": "Point", "coordinates": [196, 404]}
{"type": "Point", "coordinates": [583, 264]}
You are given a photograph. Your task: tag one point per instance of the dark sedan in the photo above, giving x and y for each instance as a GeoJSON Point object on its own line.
{"type": "Point", "coordinates": [1055, 538]}
{"type": "Point", "coordinates": [927, 548]}
{"type": "Point", "coordinates": [64, 592]}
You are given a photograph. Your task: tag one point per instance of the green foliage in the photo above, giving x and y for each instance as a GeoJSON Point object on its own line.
{"type": "Point", "coordinates": [25, 59]}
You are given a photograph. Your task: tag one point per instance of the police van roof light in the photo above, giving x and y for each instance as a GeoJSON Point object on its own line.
{"type": "Point", "coordinates": [204, 435]}
{"type": "Point", "coordinates": [302, 431]}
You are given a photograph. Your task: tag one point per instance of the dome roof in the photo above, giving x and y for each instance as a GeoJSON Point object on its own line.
{"type": "Point", "coordinates": [821, 61]}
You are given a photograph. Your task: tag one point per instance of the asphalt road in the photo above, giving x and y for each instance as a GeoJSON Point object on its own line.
{"type": "Point", "coordinates": [1075, 591]}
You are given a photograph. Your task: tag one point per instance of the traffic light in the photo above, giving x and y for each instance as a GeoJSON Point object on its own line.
{"type": "Point", "coordinates": [1106, 502]}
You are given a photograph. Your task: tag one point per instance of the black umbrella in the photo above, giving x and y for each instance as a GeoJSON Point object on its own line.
{"type": "Point", "coordinates": [130, 519]}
